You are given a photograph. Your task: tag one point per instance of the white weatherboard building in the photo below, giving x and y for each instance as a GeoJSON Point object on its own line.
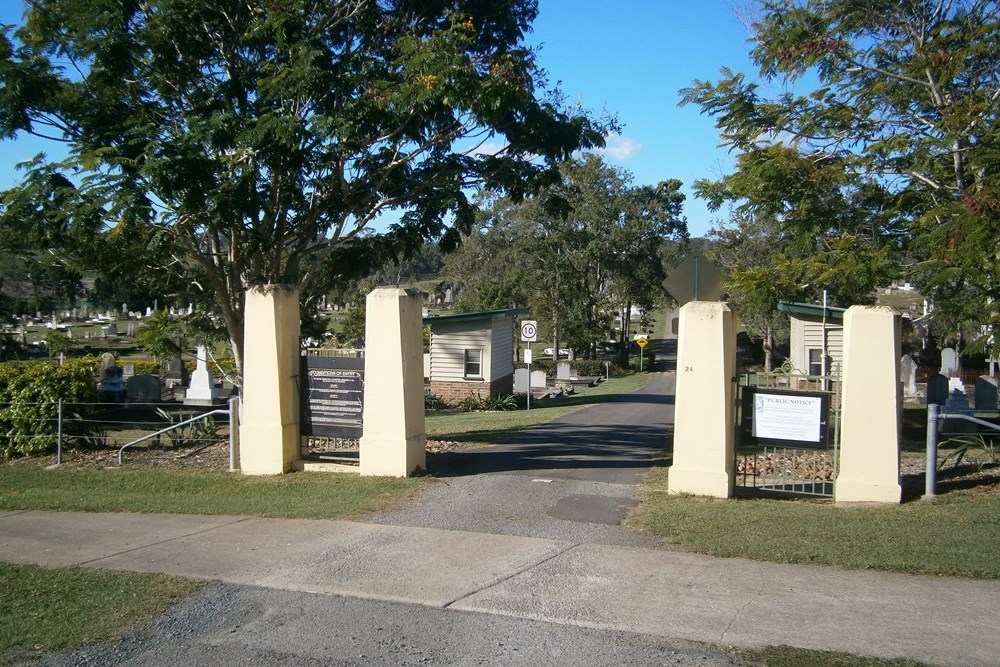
{"type": "Point", "coordinates": [472, 354]}
{"type": "Point", "coordinates": [815, 331]}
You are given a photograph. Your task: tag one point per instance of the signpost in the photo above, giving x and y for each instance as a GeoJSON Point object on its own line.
{"type": "Point", "coordinates": [641, 341]}
{"type": "Point", "coordinates": [332, 397]}
{"type": "Point", "coordinates": [529, 334]}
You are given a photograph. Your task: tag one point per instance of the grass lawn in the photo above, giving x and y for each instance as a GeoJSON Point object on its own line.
{"type": "Point", "coordinates": [957, 533]}
{"type": "Point", "coordinates": [495, 427]}
{"type": "Point", "coordinates": [50, 609]}
{"type": "Point", "coordinates": [312, 495]}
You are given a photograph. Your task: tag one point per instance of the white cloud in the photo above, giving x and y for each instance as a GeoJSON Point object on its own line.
{"type": "Point", "coordinates": [619, 147]}
{"type": "Point", "coordinates": [488, 148]}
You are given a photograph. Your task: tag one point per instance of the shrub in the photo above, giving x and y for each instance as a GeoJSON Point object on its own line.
{"type": "Point", "coordinates": [29, 396]}
{"type": "Point", "coordinates": [434, 402]}
{"type": "Point", "coordinates": [477, 403]}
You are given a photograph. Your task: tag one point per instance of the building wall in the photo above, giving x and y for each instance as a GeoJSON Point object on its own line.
{"type": "Point", "coordinates": [449, 341]}
{"type": "Point", "coordinates": [807, 334]}
{"type": "Point", "coordinates": [502, 358]}
{"type": "Point", "coordinates": [455, 391]}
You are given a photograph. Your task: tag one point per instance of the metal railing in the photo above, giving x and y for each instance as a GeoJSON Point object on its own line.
{"type": "Point", "coordinates": [935, 422]}
{"type": "Point", "coordinates": [232, 412]}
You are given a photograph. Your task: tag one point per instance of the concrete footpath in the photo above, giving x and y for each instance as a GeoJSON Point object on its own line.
{"type": "Point", "coordinates": [652, 591]}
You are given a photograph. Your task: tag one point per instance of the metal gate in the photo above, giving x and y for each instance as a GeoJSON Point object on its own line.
{"type": "Point", "coordinates": [774, 466]}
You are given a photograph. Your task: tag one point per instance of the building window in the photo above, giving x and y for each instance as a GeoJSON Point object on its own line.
{"type": "Point", "coordinates": [815, 362]}
{"type": "Point", "coordinates": [474, 364]}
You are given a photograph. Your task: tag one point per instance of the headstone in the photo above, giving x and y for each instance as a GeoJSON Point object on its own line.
{"type": "Point", "coordinates": [176, 373]}
{"type": "Point", "coordinates": [124, 308]}
{"type": "Point", "coordinates": [563, 370]}
{"type": "Point", "coordinates": [538, 380]}
{"type": "Point", "coordinates": [957, 401]}
{"type": "Point", "coordinates": [986, 393]}
{"type": "Point", "coordinates": [202, 388]}
{"type": "Point", "coordinates": [107, 361]}
{"type": "Point", "coordinates": [908, 376]}
{"type": "Point", "coordinates": [113, 382]}
{"type": "Point", "coordinates": [937, 389]}
{"type": "Point", "coordinates": [521, 380]}
{"type": "Point", "coordinates": [949, 362]}
{"type": "Point", "coordinates": [447, 295]}
{"type": "Point", "coordinates": [128, 370]}
{"type": "Point", "coordinates": [190, 308]}
{"type": "Point", "coordinates": [113, 329]}
{"type": "Point", "coordinates": [149, 311]}
{"type": "Point", "coordinates": [955, 384]}
{"type": "Point", "coordinates": [143, 389]}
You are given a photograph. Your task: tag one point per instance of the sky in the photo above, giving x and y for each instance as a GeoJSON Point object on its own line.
{"type": "Point", "coordinates": [628, 56]}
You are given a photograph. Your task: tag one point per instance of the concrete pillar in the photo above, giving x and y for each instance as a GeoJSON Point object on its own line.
{"type": "Point", "coordinates": [870, 407]}
{"type": "Point", "coordinates": [703, 413]}
{"type": "Point", "coordinates": [269, 428]}
{"type": "Point", "coordinates": [394, 439]}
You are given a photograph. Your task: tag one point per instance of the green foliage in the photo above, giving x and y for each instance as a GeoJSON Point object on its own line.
{"type": "Point", "coordinates": [198, 433]}
{"type": "Point", "coordinates": [231, 144]}
{"type": "Point", "coordinates": [29, 395]}
{"type": "Point", "coordinates": [578, 254]}
{"type": "Point", "coordinates": [434, 402]}
{"type": "Point", "coordinates": [477, 403]}
{"type": "Point", "coordinates": [963, 447]}
{"type": "Point", "coordinates": [56, 342]}
{"type": "Point", "coordinates": [888, 167]}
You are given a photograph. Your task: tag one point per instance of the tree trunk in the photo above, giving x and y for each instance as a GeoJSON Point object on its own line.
{"type": "Point", "coordinates": [768, 349]}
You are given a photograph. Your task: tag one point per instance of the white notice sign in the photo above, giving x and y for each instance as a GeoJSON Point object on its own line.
{"type": "Point", "coordinates": [787, 417]}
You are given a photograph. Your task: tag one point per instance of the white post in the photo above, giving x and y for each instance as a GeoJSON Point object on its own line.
{"type": "Point", "coordinates": [703, 414]}
{"type": "Point", "coordinates": [871, 402]}
{"type": "Point", "coordinates": [394, 439]}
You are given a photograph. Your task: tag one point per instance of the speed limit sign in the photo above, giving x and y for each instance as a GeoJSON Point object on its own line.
{"type": "Point", "coordinates": [529, 331]}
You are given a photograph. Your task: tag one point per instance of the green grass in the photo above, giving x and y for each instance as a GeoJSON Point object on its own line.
{"type": "Point", "coordinates": [955, 534]}
{"type": "Point", "coordinates": [312, 495]}
{"type": "Point", "coordinates": [497, 427]}
{"type": "Point", "coordinates": [44, 610]}
{"type": "Point", "coordinates": [787, 656]}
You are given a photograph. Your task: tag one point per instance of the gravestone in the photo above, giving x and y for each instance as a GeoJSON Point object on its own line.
{"type": "Point", "coordinates": [521, 379]}
{"type": "Point", "coordinates": [937, 389]}
{"type": "Point", "coordinates": [107, 361]}
{"type": "Point", "coordinates": [202, 388]}
{"type": "Point", "coordinates": [112, 329]}
{"type": "Point", "coordinates": [563, 370]}
{"type": "Point", "coordinates": [128, 370]}
{"type": "Point", "coordinates": [113, 382]}
{"type": "Point", "coordinates": [949, 362]}
{"type": "Point", "coordinates": [538, 379]}
{"type": "Point", "coordinates": [149, 311]}
{"type": "Point", "coordinates": [143, 389]}
{"type": "Point", "coordinates": [908, 376]}
{"type": "Point", "coordinates": [447, 295]}
{"type": "Point", "coordinates": [176, 373]}
{"type": "Point", "coordinates": [986, 393]}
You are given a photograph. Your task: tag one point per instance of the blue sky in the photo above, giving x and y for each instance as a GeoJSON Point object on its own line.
{"type": "Point", "coordinates": [630, 56]}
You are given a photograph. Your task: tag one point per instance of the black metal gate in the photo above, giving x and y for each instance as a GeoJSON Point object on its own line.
{"type": "Point", "coordinates": [787, 433]}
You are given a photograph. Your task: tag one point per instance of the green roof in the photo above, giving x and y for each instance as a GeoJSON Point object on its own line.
{"type": "Point", "coordinates": [471, 317]}
{"type": "Point", "coordinates": [811, 310]}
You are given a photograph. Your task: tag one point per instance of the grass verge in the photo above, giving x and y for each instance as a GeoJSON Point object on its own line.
{"type": "Point", "coordinates": [955, 534]}
{"type": "Point", "coordinates": [306, 496]}
{"type": "Point", "coordinates": [787, 656]}
{"type": "Point", "coordinates": [496, 427]}
{"type": "Point", "coordinates": [50, 609]}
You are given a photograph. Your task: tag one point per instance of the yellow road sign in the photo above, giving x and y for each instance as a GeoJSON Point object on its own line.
{"type": "Point", "coordinates": [641, 342]}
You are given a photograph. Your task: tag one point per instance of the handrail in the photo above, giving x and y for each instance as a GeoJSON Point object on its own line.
{"type": "Point", "coordinates": [169, 428]}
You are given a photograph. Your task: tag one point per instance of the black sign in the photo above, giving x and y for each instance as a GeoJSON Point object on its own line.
{"type": "Point", "coordinates": [333, 390]}
{"type": "Point", "coordinates": [785, 418]}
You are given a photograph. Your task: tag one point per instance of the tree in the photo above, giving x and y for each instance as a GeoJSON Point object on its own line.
{"type": "Point", "coordinates": [255, 143]}
{"type": "Point", "coordinates": [579, 254]}
{"type": "Point", "coordinates": [892, 159]}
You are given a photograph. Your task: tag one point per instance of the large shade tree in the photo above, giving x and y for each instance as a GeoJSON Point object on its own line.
{"type": "Point", "coordinates": [882, 149]}
{"type": "Point", "coordinates": [241, 142]}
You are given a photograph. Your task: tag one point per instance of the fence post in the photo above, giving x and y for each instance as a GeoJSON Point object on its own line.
{"type": "Point", "coordinates": [59, 433]}
{"type": "Point", "coordinates": [234, 431]}
{"type": "Point", "coordinates": [930, 479]}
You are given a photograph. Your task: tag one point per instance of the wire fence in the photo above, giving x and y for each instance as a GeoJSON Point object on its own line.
{"type": "Point", "coordinates": [97, 430]}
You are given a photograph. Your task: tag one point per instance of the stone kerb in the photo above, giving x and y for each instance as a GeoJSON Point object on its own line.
{"type": "Point", "coordinates": [703, 415]}
{"type": "Point", "coordinates": [394, 439]}
{"type": "Point", "coordinates": [871, 403]}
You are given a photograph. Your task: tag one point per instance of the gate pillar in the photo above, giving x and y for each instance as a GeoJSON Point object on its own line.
{"type": "Point", "coordinates": [703, 412]}
{"type": "Point", "coordinates": [871, 401]}
{"type": "Point", "coordinates": [394, 439]}
{"type": "Point", "coordinates": [269, 426]}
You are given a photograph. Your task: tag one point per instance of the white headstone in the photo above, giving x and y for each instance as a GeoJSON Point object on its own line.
{"type": "Point", "coordinates": [149, 311]}
{"type": "Point", "coordinates": [521, 380]}
{"type": "Point", "coordinates": [908, 376]}
{"type": "Point", "coordinates": [201, 390]}
{"type": "Point", "coordinates": [949, 362]}
{"type": "Point", "coordinates": [538, 379]}
{"type": "Point", "coordinates": [563, 370]}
